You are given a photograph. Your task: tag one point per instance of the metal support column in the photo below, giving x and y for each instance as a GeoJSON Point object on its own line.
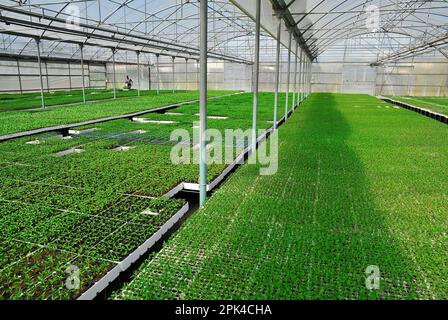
{"type": "Point", "coordinates": [81, 49]}
{"type": "Point", "coordinates": [277, 71]}
{"type": "Point", "coordinates": [174, 77]}
{"type": "Point", "coordinates": [256, 74]}
{"type": "Point", "coordinates": [20, 76]}
{"type": "Point", "coordinates": [115, 79]}
{"type": "Point", "coordinates": [186, 75]}
{"type": "Point", "coordinates": [302, 71]}
{"type": "Point", "coordinates": [39, 62]}
{"type": "Point", "coordinates": [149, 78]}
{"type": "Point", "coordinates": [305, 90]}
{"type": "Point", "coordinates": [309, 76]}
{"type": "Point", "coordinates": [299, 90]}
{"type": "Point", "coordinates": [299, 73]}
{"type": "Point", "coordinates": [303, 77]}
{"type": "Point", "coordinates": [138, 73]}
{"type": "Point", "coordinates": [288, 75]}
{"type": "Point", "coordinates": [197, 74]}
{"type": "Point", "coordinates": [295, 78]}
{"type": "Point", "coordinates": [69, 75]}
{"type": "Point", "coordinates": [203, 103]}
{"type": "Point", "coordinates": [158, 74]}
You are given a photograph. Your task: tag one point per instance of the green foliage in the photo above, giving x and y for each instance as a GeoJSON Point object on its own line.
{"type": "Point", "coordinates": [436, 104]}
{"type": "Point", "coordinates": [85, 209]}
{"type": "Point", "coordinates": [30, 100]}
{"type": "Point", "coordinates": [357, 185]}
{"type": "Point", "coordinates": [22, 120]}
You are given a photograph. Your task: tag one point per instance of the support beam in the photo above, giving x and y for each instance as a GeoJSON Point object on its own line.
{"type": "Point", "coordinates": [306, 77]}
{"type": "Point", "coordinates": [299, 91]}
{"type": "Point", "coordinates": [69, 75]}
{"type": "Point", "coordinates": [19, 76]}
{"type": "Point", "coordinates": [203, 7]}
{"type": "Point", "coordinates": [186, 74]}
{"type": "Point", "coordinates": [81, 49]}
{"type": "Point", "coordinates": [174, 76]}
{"type": "Point", "coordinates": [138, 73]}
{"type": "Point", "coordinates": [114, 75]}
{"type": "Point", "coordinates": [288, 76]}
{"type": "Point", "coordinates": [18, 22]}
{"type": "Point", "coordinates": [277, 71]}
{"type": "Point", "coordinates": [256, 74]}
{"type": "Point", "coordinates": [39, 62]}
{"type": "Point", "coordinates": [149, 78]}
{"type": "Point", "coordinates": [295, 77]}
{"type": "Point", "coordinates": [299, 85]}
{"type": "Point", "coordinates": [309, 79]}
{"type": "Point", "coordinates": [90, 76]}
{"type": "Point", "coordinates": [413, 51]}
{"type": "Point", "coordinates": [158, 74]}
{"type": "Point", "coordinates": [271, 9]}
{"type": "Point", "coordinates": [309, 76]}
{"type": "Point", "coordinates": [197, 74]}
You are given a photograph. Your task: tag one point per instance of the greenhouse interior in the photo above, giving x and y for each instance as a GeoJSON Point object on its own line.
{"type": "Point", "coordinates": [224, 150]}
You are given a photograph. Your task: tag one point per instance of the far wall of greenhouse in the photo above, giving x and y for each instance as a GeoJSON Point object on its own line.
{"type": "Point", "coordinates": [405, 78]}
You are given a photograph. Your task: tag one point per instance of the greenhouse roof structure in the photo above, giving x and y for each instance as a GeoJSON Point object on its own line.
{"type": "Point", "coordinates": [171, 27]}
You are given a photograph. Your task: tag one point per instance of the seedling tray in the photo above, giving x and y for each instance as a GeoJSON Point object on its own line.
{"type": "Point", "coordinates": [124, 265]}
{"type": "Point", "coordinates": [428, 113]}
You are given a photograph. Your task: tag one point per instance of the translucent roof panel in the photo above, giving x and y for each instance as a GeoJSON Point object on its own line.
{"type": "Point", "coordinates": [378, 30]}
{"type": "Point", "coordinates": [166, 27]}
{"type": "Point", "coordinates": [385, 28]}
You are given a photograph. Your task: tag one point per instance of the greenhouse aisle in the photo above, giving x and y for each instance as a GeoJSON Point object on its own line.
{"type": "Point", "coordinates": [361, 183]}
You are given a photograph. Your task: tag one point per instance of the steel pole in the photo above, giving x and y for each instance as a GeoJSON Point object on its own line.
{"type": "Point", "coordinates": [114, 77]}
{"type": "Point", "coordinates": [69, 76]}
{"type": "Point", "coordinates": [302, 87]}
{"type": "Point", "coordinates": [295, 78]}
{"type": "Point", "coordinates": [19, 76]}
{"type": "Point", "coordinates": [203, 103]}
{"type": "Point", "coordinates": [277, 71]}
{"type": "Point", "coordinates": [174, 77]}
{"type": "Point", "coordinates": [288, 75]}
{"type": "Point", "coordinates": [39, 62]}
{"type": "Point", "coordinates": [299, 96]}
{"type": "Point", "coordinates": [81, 48]}
{"type": "Point", "coordinates": [186, 74]}
{"type": "Point", "coordinates": [138, 73]}
{"type": "Point", "coordinates": [306, 78]}
{"type": "Point", "coordinates": [158, 74]}
{"type": "Point", "coordinates": [305, 87]}
{"type": "Point", "coordinates": [311, 75]}
{"type": "Point", "coordinates": [197, 74]}
{"type": "Point", "coordinates": [256, 74]}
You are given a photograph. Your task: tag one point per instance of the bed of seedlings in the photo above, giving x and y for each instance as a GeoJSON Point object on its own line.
{"type": "Point", "coordinates": [436, 104]}
{"type": "Point", "coordinates": [30, 100]}
{"type": "Point", "coordinates": [65, 211]}
{"type": "Point", "coordinates": [22, 120]}
{"type": "Point", "coordinates": [360, 184]}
